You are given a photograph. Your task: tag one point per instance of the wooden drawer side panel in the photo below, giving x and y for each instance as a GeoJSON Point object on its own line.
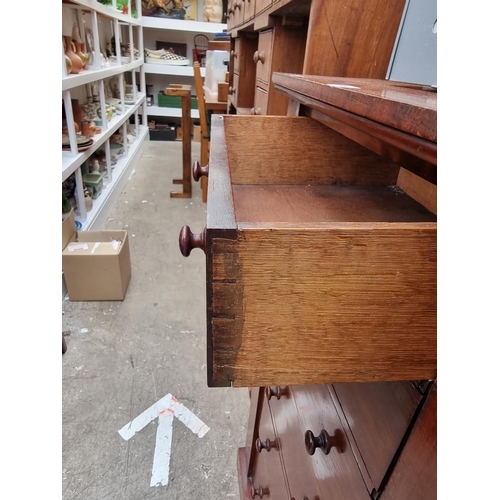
{"type": "Point", "coordinates": [415, 474]}
{"type": "Point", "coordinates": [311, 154]}
{"type": "Point", "coordinates": [343, 305]}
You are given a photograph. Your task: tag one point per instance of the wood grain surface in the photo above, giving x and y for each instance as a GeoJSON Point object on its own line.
{"type": "Point", "coordinates": [344, 304]}
{"type": "Point", "coordinates": [299, 150]}
{"type": "Point", "coordinates": [415, 474]}
{"type": "Point", "coordinates": [379, 415]}
{"type": "Point", "coordinates": [332, 476]}
{"type": "Point", "coordinates": [312, 204]}
{"type": "Point", "coordinates": [352, 38]}
{"type": "Point", "coordinates": [407, 107]}
{"type": "Point", "coordinates": [419, 189]}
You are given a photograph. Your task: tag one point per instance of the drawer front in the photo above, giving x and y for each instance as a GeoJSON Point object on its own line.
{"type": "Point", "coordinates": [325, 476]}
{"type": "Point", "coordinates": [267, 476]}
{"type": "Point", "coordinates": [261, 5]}
{"type": "Point", "coordinates": [378, 415]}
{"type": "Point", "coordinates": [260, 104]}
{"type": "Point", "coordinates": [249, 10]}
{"type": "Point", "coordinates": [263, 56]}
{"type": "Point", "coordinates": [238, 12]}
{"type": "Point", "coordinates": [230, 15]}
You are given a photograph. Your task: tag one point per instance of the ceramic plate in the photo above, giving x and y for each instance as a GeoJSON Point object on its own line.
{"type": "Point", "coordinates": [80, 148]}
{"type": "Point", "coordinates": [80, 139]}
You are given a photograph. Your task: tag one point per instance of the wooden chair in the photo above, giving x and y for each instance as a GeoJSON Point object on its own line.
{"type": "Point", "coordinates": [205, 133]}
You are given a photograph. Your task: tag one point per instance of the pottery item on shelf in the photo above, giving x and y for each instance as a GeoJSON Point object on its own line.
{"type": "Point", "coordinates": [88, 199]}
{"type": "Point", "coordinates": [90, 108]}
{"type": "Point", "coordinates": [65, 127]}
{"type": "Point", "coordinates": [76, 62]}
{"type": "Point", "coordinates": [77, 113]}
{"type": "Point", "coordinates": [85, 123]}
{"type": "Point", "coordinates": [95, 166]}
{"type": "Point", "coordinates": [81, 140]}
{"type": "Point", "coordinates": [83, 55]}
{"type": "Point", "coordinates": [69, 64]}
{"type": "Point", "coordinates": [212, 11]}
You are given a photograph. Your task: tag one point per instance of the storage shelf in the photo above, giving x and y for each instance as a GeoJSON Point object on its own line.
{"type": "Point", "coordinates": [71, 163]}
{"type": "Point", "coordinates": [103, 204]}
{"type": "Point", "coordinates": [170, 112]}
{"type": "Point", "coordinates": [181, 25]}
{"type": "Point", "coordinates": [108, 11]}
{"type": "Point", "coordinates": [167, 69]}
{"type": "Point", "coordinates": [89, 75]}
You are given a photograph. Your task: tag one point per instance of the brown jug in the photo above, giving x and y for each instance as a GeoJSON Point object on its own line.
{"type": "Point", "coordinates": [76, 62]}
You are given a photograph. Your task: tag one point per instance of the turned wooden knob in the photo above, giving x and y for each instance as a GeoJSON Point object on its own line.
{"type": "Point", "coordinates": [324, 441]}
{"type": "Point", "coordinates": [260, 492]}
{"type": "Point", "coordinates": [265, 445]}
{"type": "Point", "coordinates": [237, 5]}
{"type": "Point", "coordinates": [234, 54]}
{"type": "Point", "coordinates": [199, 171]}
{"type": "Point", "coordinates": [277, 392]}
{"type": "Point", "coordinates": [258, 57]}
{"type": "Point", "coordinates": [230, 90]}
{"type": "Point", "coordinates": [188, 240]}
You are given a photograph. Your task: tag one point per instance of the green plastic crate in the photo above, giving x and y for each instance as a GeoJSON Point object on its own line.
{"type": "Point", "coordinates": [170, 101]}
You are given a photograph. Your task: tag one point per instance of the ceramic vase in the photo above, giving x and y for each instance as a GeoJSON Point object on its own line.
{"type": "Point", "coordinates": [82, 54]}
{"type": "Point", "coordinates": [69, 64]}
{"type": "Point", "coordinates": [76, 62]}
{"type": "Point", "coordinates": [212, 11]}
{"type": "Point", "coordinates": [77, 113]}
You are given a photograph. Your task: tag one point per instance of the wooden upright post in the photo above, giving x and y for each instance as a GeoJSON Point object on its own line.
{"type": "Point", "coordinates": [184, 92]}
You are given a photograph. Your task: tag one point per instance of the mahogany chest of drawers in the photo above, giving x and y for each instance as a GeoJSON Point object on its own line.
{"type": "Point", "coordinates": [321, 288]}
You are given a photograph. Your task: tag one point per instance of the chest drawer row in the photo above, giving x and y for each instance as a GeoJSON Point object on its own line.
{"type": "Point", "coordinates": [311, 443]}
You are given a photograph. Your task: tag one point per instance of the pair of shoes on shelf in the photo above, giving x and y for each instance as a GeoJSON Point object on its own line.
{"type": "Point", "coordinates": [163, 56]}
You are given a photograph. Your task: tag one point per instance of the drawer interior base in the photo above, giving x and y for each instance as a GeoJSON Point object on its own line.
{"type": "Point", "coordinates": [313, 204]}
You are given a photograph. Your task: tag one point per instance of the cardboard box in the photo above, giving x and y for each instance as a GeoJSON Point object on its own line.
{"type": "Point", "coordinates": [196, 133]}
{"type": "Point", "coordinates": [96, 264]}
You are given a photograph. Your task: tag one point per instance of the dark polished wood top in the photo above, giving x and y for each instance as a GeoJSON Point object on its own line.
{"type": "Point", "coordinates": [407, 107]}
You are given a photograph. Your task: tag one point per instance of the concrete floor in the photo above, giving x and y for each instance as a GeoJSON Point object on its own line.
{"type": "Point", "coordinates": [124, 356]}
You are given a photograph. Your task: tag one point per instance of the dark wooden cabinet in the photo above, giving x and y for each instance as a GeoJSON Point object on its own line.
{"type": "Point", "coordinates": [352, 38]}
{"type": "Point", "coordinates": [321, 277]}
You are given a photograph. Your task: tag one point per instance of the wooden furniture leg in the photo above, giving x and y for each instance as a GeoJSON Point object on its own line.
{"type": "Point", "coordinates": [184, 92]}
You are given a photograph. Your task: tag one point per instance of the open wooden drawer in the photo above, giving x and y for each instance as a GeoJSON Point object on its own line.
{"type": "Point", "coordinates": [319, 267]}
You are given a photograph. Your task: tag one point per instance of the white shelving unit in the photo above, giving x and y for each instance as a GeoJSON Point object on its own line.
{"type": "Point", "coordinates": [161, 75]}
{"type": "Point", "coordinates": [167, 69]}
{"type": "Point", "coordinates": [184, 26]}
{"type": "Point", "coordinates": [98, 23]}
{"type": "Point", "coordinates": [171, 112]}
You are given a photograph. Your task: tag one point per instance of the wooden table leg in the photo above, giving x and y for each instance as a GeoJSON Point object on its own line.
{"type": "Point", "coordinates": [184, 91]}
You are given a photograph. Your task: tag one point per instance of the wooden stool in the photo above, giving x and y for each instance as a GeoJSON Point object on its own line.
{"type": "Point", "coordinates": [184, 92]}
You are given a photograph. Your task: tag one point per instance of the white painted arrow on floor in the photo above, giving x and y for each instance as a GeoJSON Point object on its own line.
{"type": "Point", "coordinates": [165, 410]}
